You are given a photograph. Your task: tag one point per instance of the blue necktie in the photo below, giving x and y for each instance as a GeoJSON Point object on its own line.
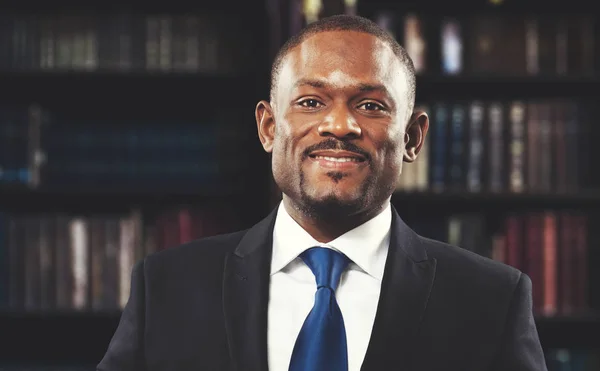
{"type": "Point", "coordinates": [321, 343]}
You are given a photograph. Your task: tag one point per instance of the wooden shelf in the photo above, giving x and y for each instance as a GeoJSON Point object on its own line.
{"type": "Point", "coordinates": [467, 7]}
{"type": "Point", "coordinates": [485, 201]}
{"type": "Point", "coordinates": [569, 332]}
{"type": "Point", "coordinates": [423, 6]}
{"type": "Point", "coordinates": [173, 93]}
{"type": "Point", "coordinates": [71, 337]}
{"type": "Point", "coordinates": [24, 200]}
{"type": "Point", "coordinates": [506, 87]}
{"type": "Point", "coordinates": [224, 7]}
{"type": "Point", "coordinates": [29, 200]}
{"type": "Point", "coordinates": [84, 337]}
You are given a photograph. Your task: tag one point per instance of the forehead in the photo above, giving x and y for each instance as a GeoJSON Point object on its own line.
{"type": "Point", "coordinates": [345, 59]}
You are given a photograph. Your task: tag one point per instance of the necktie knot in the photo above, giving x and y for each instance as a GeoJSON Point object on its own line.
{"type": "Point", "coordinates": [326, 264]}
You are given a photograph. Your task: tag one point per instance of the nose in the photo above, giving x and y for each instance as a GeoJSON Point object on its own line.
{"type": "Point", "coordinates": [340, 123]}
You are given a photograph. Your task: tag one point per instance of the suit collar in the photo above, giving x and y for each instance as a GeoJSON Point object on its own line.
{"type": "Point", "coordinates": [406, 240]}
{"type": "Point", "coordinates": [406, 285]}
{"type": "Point", "coordinates": [257, 238]}
{"type": "Point", "coordinates": [246, 297]}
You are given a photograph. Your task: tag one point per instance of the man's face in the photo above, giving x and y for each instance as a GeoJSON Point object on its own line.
{"type": "Point", "coordinates": [339, 115]}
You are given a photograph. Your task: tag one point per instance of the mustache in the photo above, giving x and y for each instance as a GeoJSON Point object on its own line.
{"type": "Point", "coordinates": [336, 145]}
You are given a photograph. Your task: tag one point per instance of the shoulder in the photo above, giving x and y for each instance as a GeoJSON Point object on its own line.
{"type": "Point", "coordinates": [203, 254]}
{"type": "Point", "coordinates": [467, 269]}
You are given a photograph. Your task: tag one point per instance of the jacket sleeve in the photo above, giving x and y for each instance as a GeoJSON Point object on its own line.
{"type": "Point", "coordinates": [520, 349]}
{"type": "Point", "coordinates": [126, 349]}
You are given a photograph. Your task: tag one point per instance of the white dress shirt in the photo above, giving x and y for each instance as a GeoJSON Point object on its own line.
{"type": "Point", "coordinates": [293, 286]}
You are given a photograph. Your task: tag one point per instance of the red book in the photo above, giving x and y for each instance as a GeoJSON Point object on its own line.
{"type": "Point", "coordinates": [550, 263]}
{"type": "Point", "coordinates": [514, 241]}
{"type": "Point", "coordinates": [534, 259]}
{"type": "Point", "coordinates": [566, 265]}
{"type": "Point", "coordinates": [185, 226]}
{"type": "Point", "coordinates": [581, 263]}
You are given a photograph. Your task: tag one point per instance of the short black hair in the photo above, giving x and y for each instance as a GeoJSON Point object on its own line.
{"type": "Point", "coordinates": [344, 22]}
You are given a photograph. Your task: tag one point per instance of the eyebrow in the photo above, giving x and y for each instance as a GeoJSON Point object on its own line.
{"type": "Point", "coordinates": [310, 82]}
{"type": "Point", "coordinates": [320, 84]}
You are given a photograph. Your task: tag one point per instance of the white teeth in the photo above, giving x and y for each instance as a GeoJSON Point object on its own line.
{"type": "Point", "coordinates": [338, 159]}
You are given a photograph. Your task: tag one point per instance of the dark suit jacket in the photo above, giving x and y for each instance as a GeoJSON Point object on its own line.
{"type": "Point", "coordinates": [203, 306]}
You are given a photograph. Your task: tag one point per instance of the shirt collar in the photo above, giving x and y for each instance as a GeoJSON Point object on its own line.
{"type": "Point", "coordinates": [366, 245]}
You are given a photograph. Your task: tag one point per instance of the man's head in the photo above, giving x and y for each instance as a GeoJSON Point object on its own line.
{"type": "Point", "coordinates": [340, 121]}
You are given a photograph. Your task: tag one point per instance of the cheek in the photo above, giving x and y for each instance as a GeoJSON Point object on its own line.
{"type": "Point", "coordinates": [395, 158]}
{"type": "Point", "coordinates": [283, 150]}
{"type": "Point", "coordinates": [281, 143]}
{"type": "Point", "coordinates": [397, 146]}
{"type": "Point", "coordinates": [393, 154]}
{"type": "Point", "coordinates": [392, 148]}
{"type": "Point", "coordinates": [287, 139]}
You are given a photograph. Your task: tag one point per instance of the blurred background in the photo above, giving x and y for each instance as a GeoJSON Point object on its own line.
{"type": "Point", "coordinates": [128, 128]}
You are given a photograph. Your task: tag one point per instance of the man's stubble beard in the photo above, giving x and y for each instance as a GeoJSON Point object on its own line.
{"type": "Point", "coordinates": [331, 208]}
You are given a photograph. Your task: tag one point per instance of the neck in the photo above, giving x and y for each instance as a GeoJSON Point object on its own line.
{"type": "Point", "coordinates": [326, 228]}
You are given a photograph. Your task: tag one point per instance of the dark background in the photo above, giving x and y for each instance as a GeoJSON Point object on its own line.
{"type": "Point", "coordinates": [127, 128]}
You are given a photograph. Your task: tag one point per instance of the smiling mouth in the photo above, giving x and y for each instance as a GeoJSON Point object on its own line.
{"type": "Point", "coordinates": [337, 160]}
{"type": "Point", "coordinates": [337, 156]}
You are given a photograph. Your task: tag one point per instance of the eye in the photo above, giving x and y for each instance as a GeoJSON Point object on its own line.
{"type": "Point", "coordinates": [310, 103]}
{"type": "Point", "coordinates": [371, 106]}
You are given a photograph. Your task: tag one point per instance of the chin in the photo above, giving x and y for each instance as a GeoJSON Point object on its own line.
{"type": "Point", "coordinates": [332, 205]}
{"type": "Point", "coordinates": [334, 194]}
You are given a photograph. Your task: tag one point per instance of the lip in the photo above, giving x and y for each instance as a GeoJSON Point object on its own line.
{"type": "Point", "coordinates": [334, 165]}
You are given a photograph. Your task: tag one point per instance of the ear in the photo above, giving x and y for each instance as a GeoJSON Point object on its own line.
{"type": "Point", "coordinates": [416, 130]}
{"type": "Point", "coordinates": [265, 122]}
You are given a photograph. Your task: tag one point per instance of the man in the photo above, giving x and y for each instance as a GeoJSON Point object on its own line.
{"type": "Point", "coordinates": [332, 279]}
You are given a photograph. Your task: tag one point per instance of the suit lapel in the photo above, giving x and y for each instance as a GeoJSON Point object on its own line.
{"type": "Point", "coordinates": [405, 289]}
{"type": "Point", "coordinates": [246, 296]}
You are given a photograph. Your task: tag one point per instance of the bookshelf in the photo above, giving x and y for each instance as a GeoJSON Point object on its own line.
{"type": "Point", "coordinates": [128, 96]}
{"type": "Point", "coordinates": [495, 77]}
{"type": "Point", "coordinates": [87, 71]}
